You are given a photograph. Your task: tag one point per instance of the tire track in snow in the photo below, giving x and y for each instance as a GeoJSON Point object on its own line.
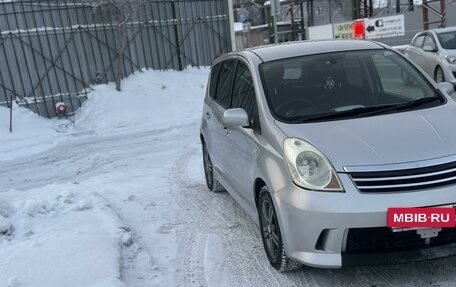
{"type": "Point", "coordinates": [136, 259]}
{"type": "Point", "coordinates": [204, 218]}
{"type": "Point", "coordinates": [210, 213]}
{"type": "Point", "coordinates": [192, 236]}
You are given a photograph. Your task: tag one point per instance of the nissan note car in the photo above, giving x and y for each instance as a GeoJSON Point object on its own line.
{"type": "Point", "coordinates": [316, 140]}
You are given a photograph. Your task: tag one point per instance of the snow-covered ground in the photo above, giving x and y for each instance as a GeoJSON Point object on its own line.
{"type": "Point", "coordinates": [32, 133]}
{"type": "Point", "coordinates": [120, 200]}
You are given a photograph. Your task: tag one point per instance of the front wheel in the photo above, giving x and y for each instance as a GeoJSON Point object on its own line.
{"type": "Point", "coordinates": [271, 235]}
{"type": "Point", "coordinates": [211, 182]}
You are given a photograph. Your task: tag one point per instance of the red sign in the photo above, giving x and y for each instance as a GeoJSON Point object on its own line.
{"type": "Point", "coordinates": [421, 217]}
{"type": "Point", "coordinates": [359, 29]}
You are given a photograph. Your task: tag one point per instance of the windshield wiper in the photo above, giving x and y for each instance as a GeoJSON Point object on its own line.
{"type": "Point", "coordinates": [407, 105]}
{"type": "Point", "coordinates": [366, 111]}
{"type": "Point", "coordinates": [336, 115]}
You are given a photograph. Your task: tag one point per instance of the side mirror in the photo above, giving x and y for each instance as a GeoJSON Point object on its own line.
{"type": "Point", "coordinates": [446, 88]}
{"type": "Point", "coordinates": [236, 118]}
{"type": "Point", "coordinates": [429, 49]}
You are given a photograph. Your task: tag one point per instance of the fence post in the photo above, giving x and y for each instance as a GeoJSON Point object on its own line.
{"type": "Point", "coordinates": [176, 36]}
{"type": "Point", "coordinates": [11, 113]}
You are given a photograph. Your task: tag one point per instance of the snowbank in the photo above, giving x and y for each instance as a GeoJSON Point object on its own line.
{"type": "Point", "coordinates": [58, 237]}
{"type": "Point", "coordinates": [62, 233]}
{"type": "Point", "coordinates": [107, 111]}
{"type": "Point", "coordinates": [144, 101]}
{"type": "Point", "coordinates": [31, 133]}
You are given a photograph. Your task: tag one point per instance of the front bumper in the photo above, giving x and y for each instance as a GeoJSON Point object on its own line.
{"type": "Point", "coordinates": [450, 73]}
{"type": "Point", "coordinates": [315, 225]}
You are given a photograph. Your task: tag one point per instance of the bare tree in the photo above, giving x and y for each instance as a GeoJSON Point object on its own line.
{"type": "Point", "coordinates": [118, 13]}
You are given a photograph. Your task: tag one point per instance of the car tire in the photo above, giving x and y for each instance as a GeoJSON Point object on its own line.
{"type": "Point", "coordinates": [211, 182]}
{"type": "Point", "coordinates": [271, 235]}
{"type": "Point", "coordinates": [439, 76]}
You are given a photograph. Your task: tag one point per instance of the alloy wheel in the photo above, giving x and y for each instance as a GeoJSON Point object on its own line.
{"type": "Point", "coordinates": [270, 230]}
{"type": "Point", "coordinates": [208, 168]}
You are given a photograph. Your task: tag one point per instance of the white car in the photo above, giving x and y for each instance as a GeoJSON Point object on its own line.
{"type": "Point", "coordinates": [435, 52]}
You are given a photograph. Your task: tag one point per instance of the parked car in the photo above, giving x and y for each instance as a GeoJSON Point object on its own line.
{"type": "Point", "coordinates": [435, 52]}
{"type": "Point", "coordinates": [316, 140]}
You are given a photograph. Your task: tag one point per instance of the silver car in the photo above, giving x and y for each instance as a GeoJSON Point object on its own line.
{"type": "Point", "coordinates": [435, 52]}
{"type": "Point", "coordinates": [316, 140]}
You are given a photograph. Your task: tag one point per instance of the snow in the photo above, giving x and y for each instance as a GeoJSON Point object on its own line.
{"type": "Point", "coordinates": [92, 26]}
{"type": "Point", "coordinates": [6, 209]}
{"type": "Point", "coordinates": [142, 101]}
{"type": "Point", "coordinates": [384, 3]}
{"type": "Point", "coordinates": [120, 200]}
{"type": "Point", "coordinates": [55, 242]}
{"type": "Point", "coordinates": [59, 227]}
{"type": "Point", "coordinates": [238, 26]}
{"type": "Point", "coordinates": [31, 133]}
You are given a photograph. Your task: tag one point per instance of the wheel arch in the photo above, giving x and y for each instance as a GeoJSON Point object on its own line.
{"type": "Point", "coordinates": [435, 71]}
{"type": "Point", "coordinates": [202, 139]}
{"type": "Point", "coordinates": [257, 186]}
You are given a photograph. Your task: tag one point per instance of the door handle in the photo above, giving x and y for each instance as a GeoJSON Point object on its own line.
{"type": "Point", "coordinates": [208, 115]}
{"type": "Point", "coordinates": [225, 129]}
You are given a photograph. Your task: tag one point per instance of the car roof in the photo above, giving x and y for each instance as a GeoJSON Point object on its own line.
{"type": "Point", "coordinates": [443, 30]}
{"type": "Point", "coordinates": [304, 48]}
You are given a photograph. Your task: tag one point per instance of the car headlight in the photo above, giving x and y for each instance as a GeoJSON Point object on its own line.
{"type": "Point", "coordinates": [309, 168]}
{"type": "Point", "coordinates": [450, 59]}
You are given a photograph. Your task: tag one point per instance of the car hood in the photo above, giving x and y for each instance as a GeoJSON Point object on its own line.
{"type": "Point", "coordinates": [386, 139]}
{"type": "Point", "coordinates": [449, 52]}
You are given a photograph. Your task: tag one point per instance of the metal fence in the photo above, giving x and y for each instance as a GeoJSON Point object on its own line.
{"type": "Point", "coordinates": [53, 51]}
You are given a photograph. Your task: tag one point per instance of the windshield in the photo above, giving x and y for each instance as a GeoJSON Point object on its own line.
{"type": "Point", "coordinates": [344, 85]}
{"type": "Point", "coordinates": [448, 40]}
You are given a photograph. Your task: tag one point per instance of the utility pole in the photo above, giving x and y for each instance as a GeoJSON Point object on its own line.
{"type": "Point", "coordinates": [275, 5]}
{"type": "Point", "coordinates": [330, 11]}
{"type": "Point", "coordinates": [231, 21]}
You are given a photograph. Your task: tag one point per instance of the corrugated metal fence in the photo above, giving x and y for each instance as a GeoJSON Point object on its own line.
{"type": "Point", "coordinates": [53, 51]}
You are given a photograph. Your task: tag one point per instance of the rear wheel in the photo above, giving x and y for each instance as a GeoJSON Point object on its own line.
{"type": "Point", "coordinates": [439, 75]}
{"type": "Point", "coordinates": [211, 182]}
{"type": "Point", "coordinates": [271, 235]}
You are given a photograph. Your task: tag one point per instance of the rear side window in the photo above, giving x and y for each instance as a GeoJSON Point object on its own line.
{"type": "Point", "coordinates": [225, 83]}
{"type": "Point", "coordinates": [214, 77]}
{"type": "Point", "coordinates": [244, 93]}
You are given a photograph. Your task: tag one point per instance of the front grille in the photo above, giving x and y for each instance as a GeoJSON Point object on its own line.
{"type": "Point", "coordinates": [405, 179]}
{"type": "Point", "coordinates": [383, 240]}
